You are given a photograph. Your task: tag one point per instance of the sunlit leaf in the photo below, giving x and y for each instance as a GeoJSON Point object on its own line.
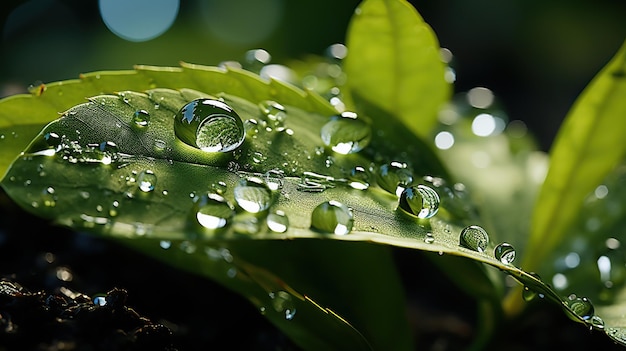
{"type": "Point", "coordinates": [588, 146]}
{"type": "Point", "coordinates": [393, 63]}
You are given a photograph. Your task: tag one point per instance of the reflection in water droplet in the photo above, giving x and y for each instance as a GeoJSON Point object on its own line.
{"type": "Point", "coordinates": [420, 201]}
{"type": "Point", "coordinates": [474, 238]}
{"type": "Point", "coordinates": [504, 253]}
{"type": "Point", "coordinates": [209, 125]}
{"type": "Point", "coordinates": [394, 177]}
{"type": "Point", "coordinates": [147, 181]}
{"type": "Point", "coordinates": [278, 222]}
{"type": "Point", "coordinates": [581, 306]}
{"type": "Point", "coordinates": [346, 134]}
{"type": "Point", "coordinates": [359, 178]}
{"type": "Point", "coordinates": [99, 300]}
{"type": "Point", "coordinates": [283, 303]}
{"type": "Point", "coordinates": [141, 118]}
{"type": "Point", "coordinates": [332, 217]}
{"type": "Point", "coordinates": [253, 195]}
{"type": "Point", "coordinates": [212, 211]}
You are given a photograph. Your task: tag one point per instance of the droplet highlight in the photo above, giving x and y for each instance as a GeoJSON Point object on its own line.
{"type": "Point", "coordinates": [209, 125]}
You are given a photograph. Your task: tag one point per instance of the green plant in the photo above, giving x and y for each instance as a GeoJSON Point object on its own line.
{"type": "Point", "coordinates": [281, 186]}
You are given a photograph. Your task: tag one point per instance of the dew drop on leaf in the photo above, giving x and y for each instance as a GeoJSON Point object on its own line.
{"type": "Point", "coordinates": [332, 217]}
{"type": "Point", "coordinates": [420, 201]}
{"type": "Point", "coordinates": [283, 303]}
{"type": "Point", "coordinates": [474, 238]}
{"type": "Point", "coordinates": [274, 179]}
{"type": "Point", "coordinates": [147, 181]}
{"type": "Point", "coordinates": [274, 111]}
{"type": "Point", "coordinates": [278, 222]}
{"type": "Point", "coordinates": [597, 323]}
{"type": "Point", "coordinates": [528, 294]}
{"type": "Point", "coordinates": [210, 125]}
{"type": "Point", "coordinates": [504, 253]}
{"type": "Point", "coordinates": [429, 238]}
{"type": "Point", "coordinates": [359, 178]}
{"type": "Point", "coordinates": [346, 134]}
{"type": "Point", "coordinates": [212, 211]}
{"type": "Point", "coordinates": [141, 118]}
{"type": "Point", "coordinates": [394, 177]}
{"type": "Point", "coordinates": [253, 195]}
{"type": "Point", "coordinates": [581, 306]}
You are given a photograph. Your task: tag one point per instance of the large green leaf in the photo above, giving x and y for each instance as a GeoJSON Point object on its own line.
{"type": "Point", "coordinates": [587, 147]}
{"type": "Point", "coordinates": [393, 63]}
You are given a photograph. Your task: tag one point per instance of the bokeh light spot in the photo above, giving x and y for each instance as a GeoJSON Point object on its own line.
{"type": "Point", "coordinates": [138, 20]}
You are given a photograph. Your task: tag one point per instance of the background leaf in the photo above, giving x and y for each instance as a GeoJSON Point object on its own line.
{"type": "Point", "coordinates": [393, 63]}
{"type": "Point", "coordinates": [588, 146]}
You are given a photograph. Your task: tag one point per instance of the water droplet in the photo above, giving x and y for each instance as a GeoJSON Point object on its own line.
{"type": "Point", "coordinates": [274, 111]}
{"type": "Point", "coordinates": [346, 134]}
{"type": "Point", "coordinates": [420, 201]}
{"type": "Point", "coordinates": [429, 238]}
{"type": "Point", "coordinates": [159, 145]}
{"type": "Point", "coordinates": [283, 303]}
{"type": "Point", "coordinates": [141, 118]}
{"type": "Point", "coordinates": [165, 244]}
{"type": "Point", "coordinates": [359, 178]}
{"type": "Point", "coordinates": [332, 217]}
{"type": "Point", "coordinates": [394, 177]}
{"type": "Point", "coordinates": [147, 181]}
{"type": "Point", "coordinates": [278, 222]}
{"type": "Point", "coordinates": [253, 195]}
{"type": "Point", "coordinates": [474, 238]}
{"type": "Point", "coordinates": [581, 306]}
{"type": "Point", "coordinates": [48, 198]}
{"type": "Point", "coordinates": [245, 223]}
{"type": "Point", "coordinates": [219, 187]}
{"type": "Point", "coordinates": [504, 253]}
{"type": "Point", "coordinates": [597, 323]}
{"type": "Point", "coordinates": [99, 300]}
{"type": "Point", "coordinates": [209, 125]}
{"type": "Point", "coordinates": [528, 294]}
{"type": "Point", "coordinates": [274, 179]}
{"type": "Point", "coordinates": [212, 211]}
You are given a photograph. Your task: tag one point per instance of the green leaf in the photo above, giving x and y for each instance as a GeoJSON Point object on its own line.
{"type": "Point", "coordinates": [587, 147]}
{"type": "Point", "coordinates": [393, 63]}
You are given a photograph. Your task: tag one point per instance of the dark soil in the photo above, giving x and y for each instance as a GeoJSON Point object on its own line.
{"type": "Point", "coordinates": [50, 276]}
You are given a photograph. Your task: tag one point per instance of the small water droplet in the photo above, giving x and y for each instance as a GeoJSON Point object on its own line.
{"type": "Point", "coordinates": [141, 118]}
{"type": "Point", "coordinates": [99, 300]}
{"type": "Point", "coordinates": [274, 111]}
{"type": "Point", "coordinates": [209, 125]}
{"type": "Point", "coordinates": [346, 134]}
{"type": "Point", "coordinates": [359, 178]}
{"type": "Point", "coordinates": [283, 303]}
{"type": "Point", "coordinates": [213, 212]}
{"type": "Point", "coordinates": [274, 179]}
{"type": "Point", "coordinates": [420, 201]}
{"type": "Point", "coordinates": [253, 195]}
{"type": "Point", "coordinates": [504, 253]}
{"type": "Point", "coordinates": [528, 294]}
{"type": "Point", "coordinates": [597, 323]}
{"type": "Point", "coordinates": [429, 238]}
{"type": "Point", "coordinates": [165, 244]}
{"type": "Point", "coordinates": [581, 306]}
{"type": "Point", "coordinates": [219, 187]}
{"type": "Point", "coordinates": [394, 177]}
{"type": "Point", "coordinates": [278, 222]}
{"type": "Point", "coordinates": [474, 238]}
{"type": "Point", "coordinates": [147, 181]}
{"type": "Point", "coordinates": [332, 217]}
{"type": "Point", "coordinates": [159, 145]}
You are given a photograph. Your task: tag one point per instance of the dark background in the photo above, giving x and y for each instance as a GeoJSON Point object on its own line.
{"type": "Point", "coordinates": [535, 55]}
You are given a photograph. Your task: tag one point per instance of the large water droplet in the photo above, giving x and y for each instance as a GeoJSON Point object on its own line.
{"type": "Point", "coordinates": [147, 181]}
{"type": "Point", "coordinates": [394, 177]}
{"type": "Point", "coordinates": [420, 201]}
{"type": "Point", "coordinates": [581, 306]}
{"type": "Point", "coordinates": [283, 303]}
{"type": "Point", "coordinates": [332, 217]}
{"type": "Point", "coordinates": [209, 125]}
{"type": "Point", "coordinates": [504, 253]}
{"type": "Point", "coordinates": [141, 118]}
{"type": "Point", "coordinates": [253, 195]}
{"type": "Point", "coordinates": [346, 134]}
{"type": "Point", "coordinates": [213, 211]}
{"type": "Point", "coordinates": [474, 238]}
{"type": "Point", "coordinates": [278, 222]}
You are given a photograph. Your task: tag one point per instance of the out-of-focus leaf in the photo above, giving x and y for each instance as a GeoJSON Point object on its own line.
{"type": "Point", "coordinates": [393, 63]}
{"type": "Point", "coordinates": [587, 147]}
